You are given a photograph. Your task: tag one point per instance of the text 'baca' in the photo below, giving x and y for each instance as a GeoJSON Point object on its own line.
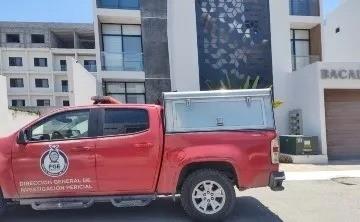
{"type": "Point", "coordinates": [340, 74]}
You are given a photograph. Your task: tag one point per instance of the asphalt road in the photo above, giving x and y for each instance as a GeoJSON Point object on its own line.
{"type": "Point", "coordinates": [336, 200]}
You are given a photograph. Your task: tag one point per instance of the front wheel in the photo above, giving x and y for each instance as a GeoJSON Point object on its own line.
{"type": "Point", "coordinates": [2, 205]}
{"type": "Point", "coordinates": [208, 195]}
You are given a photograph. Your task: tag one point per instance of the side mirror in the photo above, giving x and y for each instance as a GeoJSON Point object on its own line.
{"type": "Point", "coordinates": [22, 138]}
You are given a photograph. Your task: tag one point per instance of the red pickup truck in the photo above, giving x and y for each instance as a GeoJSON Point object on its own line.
{"type": "Point", "coordinates": [131, 154]}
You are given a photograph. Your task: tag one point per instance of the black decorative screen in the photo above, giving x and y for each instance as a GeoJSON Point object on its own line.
{"type": "Point", "coordinates": [234, 44]}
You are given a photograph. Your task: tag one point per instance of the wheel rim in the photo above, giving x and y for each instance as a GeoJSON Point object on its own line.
{"type": "Point", "coordinates": [208, 197]}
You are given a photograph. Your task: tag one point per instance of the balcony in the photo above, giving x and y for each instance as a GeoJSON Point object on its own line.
{"type": "Point", "coordinates": [304, 7]}
{"type": "Point", "coordinates": [119, 4]}
{"type": "Point", "coordinates": [122, 61]}
{"type": "Point", "coordinates": [299, 62]}
{"type": "Point", "coordinates": [91, 68]}
{"type": "Point", "coordinates": [64, 88]}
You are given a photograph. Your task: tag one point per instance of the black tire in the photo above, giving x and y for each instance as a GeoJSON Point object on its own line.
{"type": "Point", "coordinates": [193, 180]}
{"type": "Point", "coordinates": [3, 205]}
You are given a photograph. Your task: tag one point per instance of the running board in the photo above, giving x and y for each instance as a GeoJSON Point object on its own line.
{"type": "Point", "coordinates": [86, 202]}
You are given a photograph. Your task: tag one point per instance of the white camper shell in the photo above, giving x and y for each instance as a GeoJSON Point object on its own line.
{"type": "Point", "coordinates": [219, 110]}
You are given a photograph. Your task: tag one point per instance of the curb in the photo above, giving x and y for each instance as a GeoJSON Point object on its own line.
{"type": "Point", "coordinates": [320, 175]}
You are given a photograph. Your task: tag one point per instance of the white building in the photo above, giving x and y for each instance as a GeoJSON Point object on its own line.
{"type": "Point", "coordinates": [36, 57]}
{"type": "Point", "coordinates": [328, 93]}
{"type": "Point", "coordinates": [208, 45]}
{"type": "Point", "coordinates": [132, 49]}
{"type": "Point", "coordinates": [341, 31]}
{"type": "Point", "coordinates": [146, 47]}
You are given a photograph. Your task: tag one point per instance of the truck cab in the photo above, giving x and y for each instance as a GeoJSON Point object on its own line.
{"type": "Point", "coordinates": [127, 154]}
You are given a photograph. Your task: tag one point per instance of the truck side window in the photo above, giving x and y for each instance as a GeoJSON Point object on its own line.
{"type": "Point", "coordinates": [125, 121]}
{"type": "Point", "coordinates": [63, 126]}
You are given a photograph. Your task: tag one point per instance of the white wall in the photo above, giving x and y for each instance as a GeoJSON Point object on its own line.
{"type": "Point", "coordinates": [82, 85]}
{"type": "Point", "coordinates": [281, 60]}
{"type": "Point", "coordinates": [3, 105]}
{"type": "Point", "coordinates": [308, 95]}
{"type": "Point", "coordinates": [183, 49]}
{"type": "Point", "coordinates": [343, 46]}
{"type": "Point", "coordinates": [11, 120]}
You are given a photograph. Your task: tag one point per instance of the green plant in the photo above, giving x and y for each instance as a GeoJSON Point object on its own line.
{"type": "Point", "coordinates": [245, 85]}
{"type": "Point", "coordinates": [277, 103]}
{"type": "Point", "coordinates": [227, 84]}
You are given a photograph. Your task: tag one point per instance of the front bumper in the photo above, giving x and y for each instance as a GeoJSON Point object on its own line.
{"type": "Point", "coordinates": [276, 180]}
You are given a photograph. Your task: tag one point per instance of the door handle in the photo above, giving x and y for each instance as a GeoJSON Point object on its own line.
{"type": "Point", "coordinates": [143, 145]}
{"type": "Point", "coordinates": [81, 148]}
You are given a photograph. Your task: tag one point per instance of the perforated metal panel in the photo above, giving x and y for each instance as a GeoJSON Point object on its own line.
{"type": "Point", "coordinates": [234, 43]}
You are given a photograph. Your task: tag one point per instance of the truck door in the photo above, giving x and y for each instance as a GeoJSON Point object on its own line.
{"type": "Point", "coordinates": [129, 151]}
{"type": "Point", "coordinates": [59, 156]}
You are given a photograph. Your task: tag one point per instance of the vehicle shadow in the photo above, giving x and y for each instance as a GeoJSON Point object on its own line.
{"type": "Point", "coordinates": [164, 209]}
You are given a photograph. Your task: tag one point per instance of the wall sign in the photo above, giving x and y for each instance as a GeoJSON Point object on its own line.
{"type": "Point", "coordinates": [340, 74]}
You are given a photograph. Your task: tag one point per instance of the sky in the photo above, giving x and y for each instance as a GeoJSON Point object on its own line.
{"type": "Point", "coordinates": [67, 10]}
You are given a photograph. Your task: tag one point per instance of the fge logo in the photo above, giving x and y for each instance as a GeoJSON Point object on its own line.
{"type": "Point", "coordinates": [54, 162]}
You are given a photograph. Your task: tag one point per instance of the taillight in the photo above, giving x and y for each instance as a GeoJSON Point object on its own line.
{"type": "Point", "coordinates": [275, 151]}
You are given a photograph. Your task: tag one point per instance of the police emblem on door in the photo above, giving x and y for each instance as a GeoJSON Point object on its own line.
{"type": "Point", "coordinates": [54, 162]}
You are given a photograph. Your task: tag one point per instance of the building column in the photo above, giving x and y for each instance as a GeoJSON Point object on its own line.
{"type": "Point", "coordinates": [155, 48]}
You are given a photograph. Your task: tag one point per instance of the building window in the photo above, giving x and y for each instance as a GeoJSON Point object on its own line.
{"type": "Point", "coordinates": [126, 92]}
{"type": "Point", "coordinates": [18, 102]}
{"type": "Point", "coordinates": [17, 83]}
{"type": "Point", "coordinates": [64, 86]}
{"type": "Point", "coordinates": [63, 66]}
{"type": "Point", "coordinates": [15, 61]}
{"type": "Point", "coordinates": [300, 47]}
{"type": "Point", "coordinates": [37, 38]}
{"type": "Point", "coordinates": [41, 83]}
{"type": "Point", "coordinates": [40, 62]}
{"type": "Point", "coordinates": [12, 38]}
{"type": "Point", "coordinates": [90, 65]}
{"type": "Point", "coordinates": [43, 102]}
{"type": "Point", "coordinates": [66, 103]}
{"type": "Point", "coordinates": [337, 30]}
{"type": "Point", "coordinates": [304, 7]}
{"type": "Point", "coordinates": [118, 4]}
{"type": "Point", "coordinates": [122, 47]}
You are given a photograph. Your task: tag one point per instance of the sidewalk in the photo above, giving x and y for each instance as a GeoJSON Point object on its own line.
{"type": "Point", "coordinates": [321, 172]}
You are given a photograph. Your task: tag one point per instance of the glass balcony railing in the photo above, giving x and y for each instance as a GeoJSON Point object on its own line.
{"type": "Point", "coordinates": [122, 61]}
{"type": "Point", "coordinates": [118, 4]}
{"type": "Point", "coordinates": [63, 68]}
{"type": "Point", "coordinates": [304, 7]}
{"type": "Point", "coordinates": [64, 88]}
{"type": "Point", "coordinates": [299, 62]}
{"type": "Point", "coordinates": [91, 68]}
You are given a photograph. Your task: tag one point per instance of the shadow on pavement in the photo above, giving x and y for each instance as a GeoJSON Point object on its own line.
{"type": "Point", "coordinates": [246, 209]}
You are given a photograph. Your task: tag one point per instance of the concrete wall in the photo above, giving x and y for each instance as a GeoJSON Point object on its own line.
{"type": "Point", "coordinates": [11, 120]}
{"type": "Point", "coordinates": [281, 60]}
{"type": "Point", "coordinates": [306, 97]}
{"type": "Point", "coordinates": [82, 85]}
{"type": "Point", "coordinates": [343, 46]}
{"type": "Point", "coordinates": [3, 105]}
{"type": "Point", "coordinates": [183, 48]}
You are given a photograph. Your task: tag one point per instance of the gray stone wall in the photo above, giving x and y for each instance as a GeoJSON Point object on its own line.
{"type": "Point", "coordinates": [155, 48]}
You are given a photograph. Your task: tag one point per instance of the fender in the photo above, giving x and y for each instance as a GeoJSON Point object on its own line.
{"type": "Point", "coordinates": [176, 160]}
{"type": "Point", "coordinates": [6, 174]}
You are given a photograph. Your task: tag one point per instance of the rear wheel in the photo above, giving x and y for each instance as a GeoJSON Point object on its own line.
{"type": "Point", "coordinates": [208, 195]}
